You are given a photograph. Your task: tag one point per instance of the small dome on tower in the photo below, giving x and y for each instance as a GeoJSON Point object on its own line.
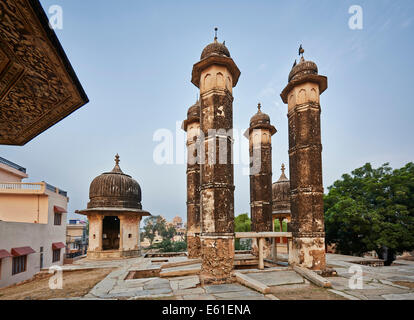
{"type": "Point", "coordinates": [114, 189]}
{"type": "Point", "coordinates": [303, 68]}
{"type": "Point", "coordinates": [194, 110]}
{"type": "Point", "coordinates": [259, 117]}
{"type": "Point", "coordinates": [281, 193]}
{"type": "Point", "coordinates": [215, 48]}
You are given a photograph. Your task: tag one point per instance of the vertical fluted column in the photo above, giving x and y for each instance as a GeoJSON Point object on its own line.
{"type": "Point", "coordinates": [192, 126]}
{"type": "Point", "coordinates": [260, 135]}
{"type": "Point", "coordinates": [305, 161]}
{"type": "Point", "coordinates": [216, 74]}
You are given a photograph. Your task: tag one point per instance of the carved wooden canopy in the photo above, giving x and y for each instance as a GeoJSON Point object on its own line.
{"type": "Point", "coordinates": [38, 86]}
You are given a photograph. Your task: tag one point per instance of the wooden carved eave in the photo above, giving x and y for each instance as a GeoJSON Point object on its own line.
{"type": "Point", "coordinates": [38, 86]}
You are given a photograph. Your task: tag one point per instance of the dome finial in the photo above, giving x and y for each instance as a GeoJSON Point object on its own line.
{"type": "Point", "coordinates": [283, 176]}
{"type": "Point", "coordinates": [259, 108]}
{"type": "Point", "coordinates": [215, 37]}
{"type": "Point", "coordinates": [117, 169]}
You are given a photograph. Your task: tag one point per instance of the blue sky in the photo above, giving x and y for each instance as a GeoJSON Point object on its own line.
{"type": "Point", "coordinates": [134, 60]}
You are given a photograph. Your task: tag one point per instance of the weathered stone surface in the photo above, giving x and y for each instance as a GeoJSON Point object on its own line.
{"type": "Point", "coordinates": [157, 284]}
{"type": "Point", "coordinates": [277, 278]}
{"type": "Point", "coordinates": [220, 288]}
{"type": "Point", "coordinates": [218, 259]}
{"type": "Point", "coordinates": [405, 296]}
{"type": "Point", "coordinates": [194, 246]}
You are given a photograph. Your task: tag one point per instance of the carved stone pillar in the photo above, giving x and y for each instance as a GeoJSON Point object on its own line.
{"type": "Point", "coordinates": [216, 74]}
{"type": "Point", "coordinates": [307, 247]}
{"type": "Point", "coordinates": [260, 135]}
{"type": "Point", "coordinates": [192, 126]}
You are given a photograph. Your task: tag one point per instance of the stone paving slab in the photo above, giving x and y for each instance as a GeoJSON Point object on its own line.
{"type": "Point", "coordinates": [249, 295]}
{"type": "Point", "coordinates": [277, 278]}
{"type": "Point", "coordinates": [199, 297]}
{"type": "Point", "coordinates": [221, 288]}
{"type": "Point", "coordinates": [405, 296]}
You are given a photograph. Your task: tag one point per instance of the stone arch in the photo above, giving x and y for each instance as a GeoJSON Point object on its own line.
{"type": "Point", "coordinates": [208, 81]}
{"type": "Point", "coordinates": [302, 96]}
{"type": "Point", "coordinates": [220, 80]}
{"type": "Point", "coordinates": [313, 95]}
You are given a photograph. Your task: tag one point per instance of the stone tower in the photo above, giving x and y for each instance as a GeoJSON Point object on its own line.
{"type": "Point", "coordinates": [215, 75]}
{"type": "Point", "coordinates": [305, 162]}
{"type": "Point", "coordinates": [260, 135]}
{"type": "Point", "coordinates": [192, 126]}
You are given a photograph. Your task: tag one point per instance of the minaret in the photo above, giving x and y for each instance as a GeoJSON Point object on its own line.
{"type": "Point", "coordinates": [305, 162]}
{"type": "Point", "coordinates": [215, 75]}
{"type": "Point", "coordinates": [260, 135]}
{"type": "Point", "coordinates": [192, 126]}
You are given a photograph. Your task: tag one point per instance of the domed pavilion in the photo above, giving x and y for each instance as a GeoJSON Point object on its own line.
{"type": "Point", "coordinates": [114, 213]}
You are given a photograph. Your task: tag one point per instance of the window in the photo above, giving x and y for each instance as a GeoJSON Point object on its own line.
{"type": "Point", "coordinates": [19, 264]}
{"type": "Point", "coordinates": [58, 219]}
{"type": "Point", "coordinates": [56, 255]}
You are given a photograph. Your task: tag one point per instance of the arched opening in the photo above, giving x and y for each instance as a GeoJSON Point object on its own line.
{"type": "Point", "coordinates": [110, 233]}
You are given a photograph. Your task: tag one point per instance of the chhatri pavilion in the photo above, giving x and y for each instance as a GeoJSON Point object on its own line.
{"type": "Point", "coordinates": [114, 213]}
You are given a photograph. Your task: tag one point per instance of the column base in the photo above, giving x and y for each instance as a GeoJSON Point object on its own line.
{"type": "Point", "coordinates": [194, 246]}
{"type": "Point", "coordinates": [308, 253]}
{"type": "Point", "coordinates": [217, 253]}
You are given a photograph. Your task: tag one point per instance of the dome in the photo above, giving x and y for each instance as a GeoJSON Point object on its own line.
{"type": "Point", "coordinates": [194, 111]}
{"type": "Point", "coordinates": [303, 68]}
{"type": "Point", "coordinates": [259, 118]}
{"type": "Point", "coordinates": [114, 189]}
{"type": "Point", "coordinates": [215, 48]}
{"type": "Point", "coordinates": [281, 193]}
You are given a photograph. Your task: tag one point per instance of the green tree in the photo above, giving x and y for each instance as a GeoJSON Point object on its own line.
{"type": "Point", "coordinates": [372, 209]}
{"type": "Point", "coordinates": [152, 226]}
{"type": "Point", "coordinates": [168, 232]}
{"type": "Point", "coordinates": [242, 223]}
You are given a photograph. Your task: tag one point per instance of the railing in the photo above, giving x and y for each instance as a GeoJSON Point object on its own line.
{"type": "Point", "coordinates": [261, 237]}
{"type": "Point", "coordinates": [56, 190]}
{"type": "Point", "coordinates": [20, 187]}
{"type": "Point", "coordinates": [12, 164]}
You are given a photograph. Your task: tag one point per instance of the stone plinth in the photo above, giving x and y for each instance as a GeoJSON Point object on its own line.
{"type": "Point", "coordinates": [217, 253]}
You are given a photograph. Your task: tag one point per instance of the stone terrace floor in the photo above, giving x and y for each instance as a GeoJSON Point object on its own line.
{"type": "Point", "coordinates": [385, 283]}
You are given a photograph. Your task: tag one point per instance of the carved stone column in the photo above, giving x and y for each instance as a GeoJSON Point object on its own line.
{"type": "Point", "coordinates": [305, 162]}
{"type": "Point", "coordinates": [260, 135]}
{"type": "Point", "coordinates": [216, 74]}
{"type": "Point", "coordinates": [192, 126]}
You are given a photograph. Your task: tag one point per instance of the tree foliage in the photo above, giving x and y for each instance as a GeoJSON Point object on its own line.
{"type": "Point", "coordinates": [372, 209]}
{"type": "Point", "coordinates": [152, 226]}
{"type": "Point", "coordinates": [242, 223]}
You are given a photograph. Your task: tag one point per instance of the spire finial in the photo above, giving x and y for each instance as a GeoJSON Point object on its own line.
{"type": "Point", "coordinates": [215, 30]}
{"type": "Point", "coordinates": [283, 168]}
{"type": "Point", "coordinates": [117, 159]}
{"type": "Point", "coordinates": [259, 107]}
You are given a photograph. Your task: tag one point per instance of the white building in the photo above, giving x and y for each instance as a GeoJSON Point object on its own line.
{"type": "Point", "coordinates": [32, 225]}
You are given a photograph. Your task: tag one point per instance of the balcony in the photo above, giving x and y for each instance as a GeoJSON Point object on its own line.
{"type": "Point", "coordinates": [19, 187]}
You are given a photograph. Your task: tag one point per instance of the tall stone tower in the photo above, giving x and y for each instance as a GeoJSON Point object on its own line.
{"type": "Point", "coordinates": [192, 126]}
{"type": "Point", "coordinates": [260, 135]}
{"type": "Point", "coordinates": [215, 75]}
{"type": "Point", "coordinates": [305, 161]}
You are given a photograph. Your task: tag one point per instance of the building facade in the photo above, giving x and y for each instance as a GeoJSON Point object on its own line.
{"type": "Point", "coordinates": [32, 225]}
{"type": "Point", "coordinates": [76, 238]}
